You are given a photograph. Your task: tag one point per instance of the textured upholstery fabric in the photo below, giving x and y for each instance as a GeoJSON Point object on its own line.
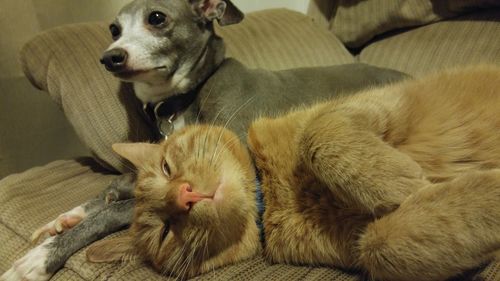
{"type": "Point", "coordinates": [465, 40]}
{"type": "Point", "coordinates": [281, 39]}
{"type": "Point", "coordinates": [356, 22]}
{"type": "Point", "coordinates": [62, 185]}
{"type": "Point", "coordinates": [37, 196]}
{"type": "Point", "coordinates": [103, 111]}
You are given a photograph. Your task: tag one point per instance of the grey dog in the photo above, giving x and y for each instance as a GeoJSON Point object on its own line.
{"type": "Point", "coordinates": [177, 64]}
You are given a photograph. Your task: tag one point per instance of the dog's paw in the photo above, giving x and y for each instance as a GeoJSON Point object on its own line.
{"type": "Point", "coordinates": [60, 224]}
{"type": "Point", "coordinates": [31, 267]}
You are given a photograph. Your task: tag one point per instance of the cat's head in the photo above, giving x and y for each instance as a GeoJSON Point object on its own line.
{"type": "Point", "coordinates": [195, 203]}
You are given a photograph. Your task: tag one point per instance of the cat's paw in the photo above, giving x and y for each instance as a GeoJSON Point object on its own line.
{"type": "Point", "coordinates": [31, 267]}
{"type": "Point", "coordinates": [60, 224]}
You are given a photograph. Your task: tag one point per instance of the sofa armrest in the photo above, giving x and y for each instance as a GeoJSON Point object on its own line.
{"type": "Point", "coordinates": [64, 62]}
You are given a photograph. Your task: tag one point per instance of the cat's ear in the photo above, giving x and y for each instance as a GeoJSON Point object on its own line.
{"type": "Point", "coordinates": [110, 250]}
{"type": "Point", "coordinates": [137, 153]}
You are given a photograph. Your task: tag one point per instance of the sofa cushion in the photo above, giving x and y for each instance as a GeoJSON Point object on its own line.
{"type": "Point", "coordinates": [65, 63]}
{"type": "Point", "coordinates": [469, 39]}
{"type": "Point", "coordinates": [31, 199]}
{"type": "Point", "coordinates": [39, 195]}
{"type": "Point", "coordinates": [356, 22]}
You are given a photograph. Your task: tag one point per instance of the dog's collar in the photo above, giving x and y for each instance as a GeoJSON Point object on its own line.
{"type": "Point", "coordinates": [261, 207]}
{"type": "Point", "coordinates": [164, 112]}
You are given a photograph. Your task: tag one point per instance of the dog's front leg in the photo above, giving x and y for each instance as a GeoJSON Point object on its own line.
{"type": "Point", "coordinates": [76, 228]}
{"type": "Point", "coordinates": [120, 189]}
{"type": "Point", "coordinates": [41, 262]}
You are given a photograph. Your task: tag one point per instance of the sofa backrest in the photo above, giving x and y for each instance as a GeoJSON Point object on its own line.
{"type": "Point", "coordinates": [355, 22]}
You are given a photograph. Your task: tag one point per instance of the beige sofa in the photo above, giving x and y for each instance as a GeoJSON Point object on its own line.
{"type": "Point", "coordinates": [415, 37]}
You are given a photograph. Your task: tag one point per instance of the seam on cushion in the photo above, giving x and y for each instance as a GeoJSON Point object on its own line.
{"type": "Point", "coordinates": [73, 271]}
{"type": "Point", "coordinates": [50, 61]}
{"type": "Point", "coordinates": [116, 274]}
{"type": "Point", "coordinates": [2, 223]}
{"type": "Point", "coordinates": [13, 231]}
{"type": "Point", "coordinates": [56, 96]}
{"type": "Point", "coordinates": [27, 69]}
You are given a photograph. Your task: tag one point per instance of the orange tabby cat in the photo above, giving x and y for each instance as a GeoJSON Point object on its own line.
{"type": "Point", "coordinates": [401, 182]}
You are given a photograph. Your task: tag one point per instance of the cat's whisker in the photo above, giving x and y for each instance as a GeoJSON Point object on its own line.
{"type": "Point", "coordinates": [213, 269]}
{"type": "Point", "coordinates": [219, 229]}
{"type": "Point", "coordinates": [205, 248]}
{"type": "Point", "coordinates": [199, 148]}
{"type": "Point", "coordinates": [182, 268]}
{"type": "Point", "coordinates": [190, 258]}
{"type": "Point", "coordinates": [179, 258]}
{"type": "Point", "coordinates": [200, 255]}
{"type": "Point", "coordinates": [199, 113]}
{"type": "Point", "coordinates": [210, 129]}
{"type": "Point", "coordinates": [192, 239]}
{"type": "Point", "coordinates": [203, 104]}
{"type": "Point", "coordinates": [226, 146]}
{"type": "Point", "coordinates": [229, 120]}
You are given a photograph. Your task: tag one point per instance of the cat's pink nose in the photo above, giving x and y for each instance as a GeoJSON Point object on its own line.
{"type": "Point", "coordinates": [187, 197]}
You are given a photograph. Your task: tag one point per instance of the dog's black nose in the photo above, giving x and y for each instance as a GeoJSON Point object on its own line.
{"type": "Point", "coordinates": [114, 59]}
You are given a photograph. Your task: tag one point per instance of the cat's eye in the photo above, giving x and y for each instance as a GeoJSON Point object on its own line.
{"type": "Point", "coordinates": [166, 168]}
{"type": "Point", "coordinates": [115, 31]}
{"type": "Point", "coordinates": [165, 230]}
{"type": "Point", "coordinates": [157, 18]}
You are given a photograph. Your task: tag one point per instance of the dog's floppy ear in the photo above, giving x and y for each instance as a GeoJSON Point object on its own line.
{"type": "Point", "coordinates": [223, 10]}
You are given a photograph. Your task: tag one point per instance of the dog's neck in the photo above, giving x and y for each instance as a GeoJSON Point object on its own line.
{"type": "Point", "coordinates": [187, 76]}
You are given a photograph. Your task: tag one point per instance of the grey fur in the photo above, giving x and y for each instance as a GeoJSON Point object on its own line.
{"type": "Point", "coordinates": [97, 225]}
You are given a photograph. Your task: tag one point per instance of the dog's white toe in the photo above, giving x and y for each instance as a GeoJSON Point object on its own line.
{"type": "Point", "coordinates": [31, 267]}
{"type": "Point", "coordinates": [60, 224]}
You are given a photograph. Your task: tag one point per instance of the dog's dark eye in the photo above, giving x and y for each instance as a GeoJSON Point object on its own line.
{"type": "Point", "coordinates": [165, 167]}
{"type": "Point", "coordinates": [115, 31]}
{"type": "Point", "coordinates": [156, 18]}
{"type": "Point", "coordinates": [165, 230]}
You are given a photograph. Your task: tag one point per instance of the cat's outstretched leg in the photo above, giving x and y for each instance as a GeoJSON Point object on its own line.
{"type": "Point", "coordinates": [439, 231]}
{"type": "Point", "coordinates": [361, 169]}
{"type": "Point", "coordinates": [120, 189]}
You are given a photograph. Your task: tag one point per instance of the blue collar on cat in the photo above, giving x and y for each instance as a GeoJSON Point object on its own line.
{"type": "Point", "coordinates": [261, 207]}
